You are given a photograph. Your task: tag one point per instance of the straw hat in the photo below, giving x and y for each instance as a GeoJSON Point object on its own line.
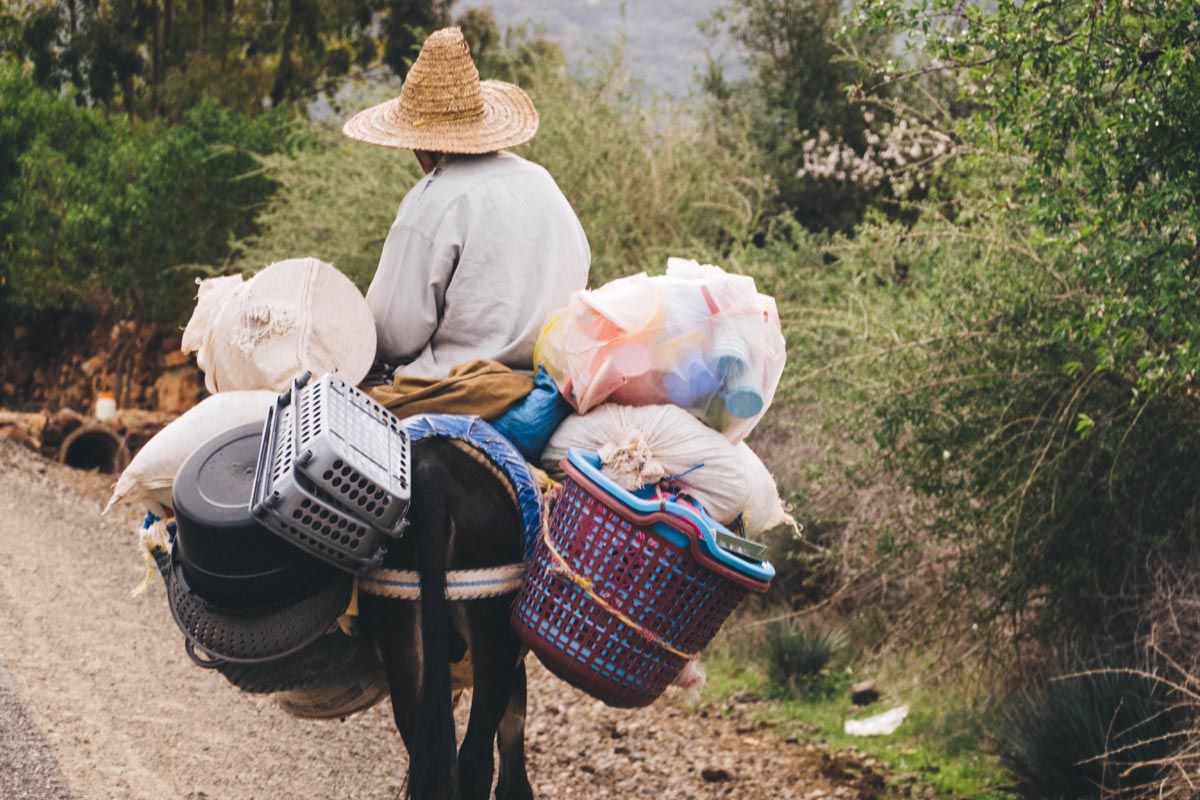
{"type": "Point", "coordinates": [443, 106]}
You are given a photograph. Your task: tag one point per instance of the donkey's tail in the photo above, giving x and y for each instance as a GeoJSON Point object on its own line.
{"type": "Point", "coordinates": [432, 757]}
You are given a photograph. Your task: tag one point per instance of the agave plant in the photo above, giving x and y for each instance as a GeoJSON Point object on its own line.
{"type": "Point", "coordinates": [1090, 734]}
{"type": "Point", "coordinates": [797, 652]}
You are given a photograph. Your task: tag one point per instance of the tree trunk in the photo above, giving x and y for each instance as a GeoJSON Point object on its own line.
{"type": "Point", "coordinates": [76, 76]}
{"type": "Point", "coordinates": [168, 14]}
{"type": "Point", "coordinates": [127, 94]}
{"type": "Point", "coordinates": [155, 58]}
{"type": "Point", "coordinates": [283, 73]}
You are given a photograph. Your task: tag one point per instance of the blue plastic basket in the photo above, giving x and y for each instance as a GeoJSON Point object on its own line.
{"type": "Point", "coordinates": [715, 540]}
{"type": "Point", "coordinates": [619, 591]}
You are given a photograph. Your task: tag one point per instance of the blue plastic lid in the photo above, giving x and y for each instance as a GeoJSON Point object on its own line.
{"type": "Point", "coordinates": [743, 402]}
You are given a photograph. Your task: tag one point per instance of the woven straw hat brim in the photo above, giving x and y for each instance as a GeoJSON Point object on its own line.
{"type": "Point", "coordinates": [508, 119]}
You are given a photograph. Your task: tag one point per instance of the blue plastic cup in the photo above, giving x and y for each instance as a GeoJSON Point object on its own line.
{"type": "Point", "coordinates": [741, 397]}
{"type": "Point", "coordinates": [691, 381]}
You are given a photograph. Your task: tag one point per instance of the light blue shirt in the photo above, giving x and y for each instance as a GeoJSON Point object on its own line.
{"type": "Point", "coordinates": [483, 252]}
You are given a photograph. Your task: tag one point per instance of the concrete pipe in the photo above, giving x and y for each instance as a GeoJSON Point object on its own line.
{"type": "Point", "coordinates": [94, 447]}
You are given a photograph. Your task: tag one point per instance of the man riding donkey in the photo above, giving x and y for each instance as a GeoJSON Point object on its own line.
{"type": "Point", "coordinates": [483, 251]}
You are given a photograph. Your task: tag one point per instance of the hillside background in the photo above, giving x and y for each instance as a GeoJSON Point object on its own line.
{"type": "Point", "coordinates": [980, 223]}
{"type": "Point", "coordinates": [663, 44]}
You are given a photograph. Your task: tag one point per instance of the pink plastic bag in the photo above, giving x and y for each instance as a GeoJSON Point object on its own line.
{"type": "Point", "coordinates": [697, 337]}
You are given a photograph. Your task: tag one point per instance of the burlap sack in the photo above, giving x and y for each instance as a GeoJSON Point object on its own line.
{"type": "Point", "coordinates": [295, 315]}
{"type": "Point", "coordinates": [640, 445]}
{"type": "Point", "coordinates": [150, 477]}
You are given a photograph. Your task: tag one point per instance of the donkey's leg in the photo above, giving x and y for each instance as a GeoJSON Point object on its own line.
{"type": "Point", "coordinates": [495, 652]}
{"type": "Point", "coordinates": [398, 636]}
{"type": "Point", "coordinates": [513, 783]}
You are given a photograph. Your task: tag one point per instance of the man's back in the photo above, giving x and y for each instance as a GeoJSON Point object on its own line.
{"type": "Point", "coordinates": [483, 251]}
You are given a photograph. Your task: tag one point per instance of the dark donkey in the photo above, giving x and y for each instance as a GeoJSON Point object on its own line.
{"type": "Point", "coordinates": [462, 517]}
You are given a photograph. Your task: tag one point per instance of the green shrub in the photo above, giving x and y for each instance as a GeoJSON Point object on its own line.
{"type": "Point", "coordinates": [99, 214]}
{"type": "Point", "coordinates": [1094, 734]}
{"type": "Point", "coordinates": [645, 180]}
{"type": "Point", "coordinates": [798, 652]}
{"type": "Point", "coordinates": [795, 94]}
{"type": "Point", "coordinates": [1107, 132]}
{"type": "Point", "coordinates": [337, 199]}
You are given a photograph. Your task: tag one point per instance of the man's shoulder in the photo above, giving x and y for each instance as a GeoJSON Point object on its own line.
{"type": "Point", "coordinates": [466, 172]}
{"type": "Point", "coordinates": [465, 188]}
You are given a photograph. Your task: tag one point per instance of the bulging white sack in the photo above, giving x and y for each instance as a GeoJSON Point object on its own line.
{"type": "Point", "coordinates": [764, 511]}
{"type": "Point", "coordinates": [640, 445]}
{"type": "Point", "coordinates": [295, 315]}
{"type": "Point", "coordinates": [151, 474]}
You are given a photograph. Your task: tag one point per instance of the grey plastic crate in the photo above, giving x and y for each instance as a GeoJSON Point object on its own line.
{"type": "Point", "coordinates": [333, 474]}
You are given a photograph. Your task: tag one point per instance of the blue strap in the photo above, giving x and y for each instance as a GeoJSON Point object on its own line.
{"type": "Point", "coordinates": [487, 440]}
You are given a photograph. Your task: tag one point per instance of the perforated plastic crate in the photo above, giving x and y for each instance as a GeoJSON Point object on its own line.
{"type": "Point", "coordinates": [333, 474]}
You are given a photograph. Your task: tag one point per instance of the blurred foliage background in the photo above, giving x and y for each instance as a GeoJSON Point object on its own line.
{"type": "Point", "coordinates": [979, 220]}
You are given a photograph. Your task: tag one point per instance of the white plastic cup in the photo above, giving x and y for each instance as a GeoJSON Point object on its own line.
{"type": "Point", "coordinates": [106, 406]}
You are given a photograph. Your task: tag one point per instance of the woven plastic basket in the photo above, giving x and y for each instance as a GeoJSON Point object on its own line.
{"type": "Point", "coordinates": [616, 602]}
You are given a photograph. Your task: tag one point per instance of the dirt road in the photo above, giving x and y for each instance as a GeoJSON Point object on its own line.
{"type": "Point", "coordinates": [98, 700]}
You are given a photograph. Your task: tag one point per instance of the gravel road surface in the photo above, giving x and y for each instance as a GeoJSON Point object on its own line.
{"type": "Point", "coordinates": [99, 702]}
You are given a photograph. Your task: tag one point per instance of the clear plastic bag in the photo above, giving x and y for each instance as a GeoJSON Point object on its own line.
{"type": "Point", "coordinates": [697, 337]}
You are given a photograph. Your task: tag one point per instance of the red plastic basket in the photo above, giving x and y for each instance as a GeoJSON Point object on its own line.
{"type": "Point", "coordinates": [612, 605]}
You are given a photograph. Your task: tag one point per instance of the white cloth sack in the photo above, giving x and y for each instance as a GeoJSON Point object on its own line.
{"type": "Point", "coordinates": [295, 315]}
{"type": "Point", "coordinates": [151, 474]}
{"type": "Point", "coordinates": [764, 511]}
{"type": "Point", "coordinates": [640, 445]}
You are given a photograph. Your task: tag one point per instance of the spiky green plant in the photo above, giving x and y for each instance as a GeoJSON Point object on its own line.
{"type": "Point", "coordinates": [1091, 734]}
{"type": "Point", "coordinates": [798, 652]}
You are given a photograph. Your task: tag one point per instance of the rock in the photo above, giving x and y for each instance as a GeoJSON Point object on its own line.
{"type": "Point", "coordinates": [92, 365]}
{"type": "Point", "coordinates": [715, 775]}
{"type": "Point", "coordinates": [25, 429]}
{"type": "Point", "coordinates": [175, 358]}
{"type": "Point", "coordinates": [178, 390]}
{"type": "Point", "coordinates": [864, 693]}
{"type": "Point", "coordinates": [14, 433]}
